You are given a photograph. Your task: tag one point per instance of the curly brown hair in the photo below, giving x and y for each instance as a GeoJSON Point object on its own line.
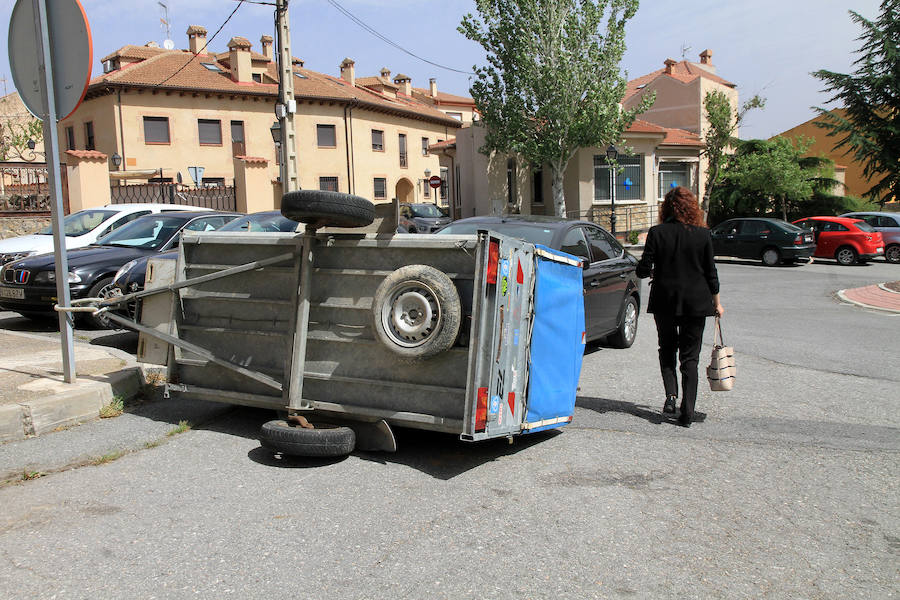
{"type": "Point", "coordinates": [680, 204]}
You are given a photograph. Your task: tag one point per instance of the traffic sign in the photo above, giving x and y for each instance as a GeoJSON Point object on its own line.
{"type": "Point", "coordinates": [71, 54]}
{"type": "Point", "coordinates": [434, 181]}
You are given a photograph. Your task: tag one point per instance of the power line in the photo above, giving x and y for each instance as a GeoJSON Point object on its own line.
{"type": "Point", "coordinates": [204, 45]}
{"type": "Point", "coordinates": [386, 40]}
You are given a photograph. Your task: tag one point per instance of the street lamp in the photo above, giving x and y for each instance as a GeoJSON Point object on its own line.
{"type": "Point", "coordinates": [275, 130]}
{"type": "Point", "coordinates": [611, 155]}
{"type": "Point", "coordinates": [116, 160]}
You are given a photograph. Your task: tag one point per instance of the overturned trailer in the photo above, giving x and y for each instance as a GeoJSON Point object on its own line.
{"type": "Point", "coordinates": [480, 336]}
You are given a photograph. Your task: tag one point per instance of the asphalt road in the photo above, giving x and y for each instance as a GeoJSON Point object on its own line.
{"type": "Point", "coordinates": [788, 487]}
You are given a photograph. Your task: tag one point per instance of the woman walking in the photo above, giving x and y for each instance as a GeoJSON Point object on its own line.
{"type": "Point", "coordinates": [684, 290]}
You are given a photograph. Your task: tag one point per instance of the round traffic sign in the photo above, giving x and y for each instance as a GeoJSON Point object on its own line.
{"type": "Point", "coordinates": [434, 181]}
{"type": "Point", "coordinates": [71, 54]}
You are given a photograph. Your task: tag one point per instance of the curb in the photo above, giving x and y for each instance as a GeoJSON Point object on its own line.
{"type": "Point", "coordinates": [840, 294]}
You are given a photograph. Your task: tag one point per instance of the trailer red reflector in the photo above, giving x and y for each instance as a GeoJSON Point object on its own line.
{"type": "Point", "coordinates": [481, 410]}
{"type": "Point", "coordinates": [493, 260]}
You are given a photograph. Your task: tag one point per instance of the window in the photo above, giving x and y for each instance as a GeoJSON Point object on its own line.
{"type": "Point", "coordinates": [378, 140]}
{"type": "Point", "coordinates": [70, 138]}
{"type": "Point", "coordinates": [445, 183]}
{"type": "Point", "coordinates": [511, 181]}
{"type": "Point", "coordinates": [212, 67]}
{"type": "Point", "coordinates": [156, 130]}
{"type": "Point", "coordinates": [257, 77]}
{"type": "Point", "coordinates": [380, 187]}
{"type": "Point", "coordinates": [237, 131]}
{"type": "Point", "coordinates": [537, 186]}
{"type": "Point", "coordinates": [402, 147]}
{"type": "Point", "coordinates": [671, 175]}
{"type": "Point", "coordinates": [325, 136]}
{"type": "Point", "coordinates": [832, 226]}
{"type": "Point", "coordinates": [210, 132]}
{"type": "Point", "coordinates": [755, 228]}
{"type": "Point", "coordinates": [209, 223]}
{"type": "Point", "coordinates": [89, 135]}
{"type": "Point", "coordinates": [603, 246]}
{"type": "Point", "coordinates": [328, 184]}
{"type": "Point", "coordinates": [574, 244]}
{"type": "Point", "coordinates": [627, 181]}
{"type": "Point", "coordinates": [426, 186]}
{"type": "Point", "coordinates": [124, 220]}
{"type": "Point", "coordinates": [455, 115]}
{"type": "Point", "coordinates": [424, 146]}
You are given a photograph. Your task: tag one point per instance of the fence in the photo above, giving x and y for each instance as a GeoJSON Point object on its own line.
{"type": "Point", "coordinates": [628, 218]}
{"type": "Point", "coordinates": [212, 197]}
{"type": "Point", "coordinates": [24, 189]}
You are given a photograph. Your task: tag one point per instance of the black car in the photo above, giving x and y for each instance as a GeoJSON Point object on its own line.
{"type": "Point", "coordinates": [421, 218]}
{"type": "Point", "coordinates": [772, 241]}
{"type": "Point", "coordinates": [28, 286]}
{"type": "Point", "coordinates": [612, 290]}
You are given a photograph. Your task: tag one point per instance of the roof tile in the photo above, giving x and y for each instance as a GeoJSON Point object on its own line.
{"type": "Point", "coordinates": [684, 71]}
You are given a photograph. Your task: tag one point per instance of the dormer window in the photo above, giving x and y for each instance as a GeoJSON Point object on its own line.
{"type": "Point", "coordinates": [257, 77]}
{"type": "Point", "coordinates": [212, 67]}
{"type": "Point", "coordinates": [110, 65]}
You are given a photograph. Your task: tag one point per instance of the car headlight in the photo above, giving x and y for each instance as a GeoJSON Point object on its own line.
{"type": "Point", "coordinates": [124, 270]}
{"type": "Point", "coordinates": [51, 277]}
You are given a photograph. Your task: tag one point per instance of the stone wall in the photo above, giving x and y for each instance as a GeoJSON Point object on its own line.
{"type": "Point", "coordinates": [15, 226]}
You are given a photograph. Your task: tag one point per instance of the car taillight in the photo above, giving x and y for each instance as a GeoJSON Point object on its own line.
{"type": "Point", "coordinates": [481, 410]}
{"type": "Point", "coordinates": [493, 260]}
{"type": "Point", "coordinates": [799, 239]}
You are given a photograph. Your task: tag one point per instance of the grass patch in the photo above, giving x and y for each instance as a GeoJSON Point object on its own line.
{"type": "Point", "coordinates": [108, 457]}
{"type": "Point", "coordinates": [115, 408]}
{"type": "Point", "coordinates": [29, 475]}
{"type": "Point", "coordinates": [153, 444]}
{"type": "Point", "coordinates": [181, 428]}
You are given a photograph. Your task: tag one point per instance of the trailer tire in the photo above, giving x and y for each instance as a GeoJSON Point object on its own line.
{"type": "Point", "coordinates": [325, 440]}
{"type": "Point", "coordinates": [327, 209]}
{"type": "Point", "coordinates": [417, 312]}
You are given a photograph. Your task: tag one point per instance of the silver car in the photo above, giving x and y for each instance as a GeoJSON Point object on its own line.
{"type": "Point", "coordinates": [889, 226]}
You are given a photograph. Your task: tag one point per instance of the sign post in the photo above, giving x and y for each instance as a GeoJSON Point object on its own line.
{"type": "Point", "coordinates": [48, 93]}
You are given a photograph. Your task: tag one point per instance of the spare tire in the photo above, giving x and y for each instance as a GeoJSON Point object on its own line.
{"type": "Point", "coordinates": [327, 209]}
{"type": "Point", "coordinates": [417, 312]}
{"type": "Point", "coordinates": [325, 440]}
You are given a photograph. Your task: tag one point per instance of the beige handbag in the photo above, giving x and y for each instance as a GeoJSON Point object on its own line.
{"type": "Point", "coordinates": [721, 371]}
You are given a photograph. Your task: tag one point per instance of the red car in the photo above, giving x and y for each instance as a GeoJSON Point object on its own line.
{"type": "Point", "coordinates": [848, 241]}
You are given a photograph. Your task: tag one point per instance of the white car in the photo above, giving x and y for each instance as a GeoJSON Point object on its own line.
{"type": "Point", "coordinates": [82, 228]}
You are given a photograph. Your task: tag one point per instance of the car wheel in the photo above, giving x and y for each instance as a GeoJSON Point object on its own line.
{"type": "Point", "coordinates": [327, 209]}
{"type": "Point", "coordinates": [846, 255]}
{"type": "Point", "coordinates": [101, 289]}
{"type": "Point", "coordinates": [417, 312]}
{"type": "Point", "coordinates": [324, 439]}
{"type": "Point", "coordinates": [624, 336]}
{"type": "Point", "coordinates": [892, 254]}
{"type": "Point", "coordinates": [771, 257]}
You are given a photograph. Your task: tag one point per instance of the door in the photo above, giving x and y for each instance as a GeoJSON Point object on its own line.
{"type": "Point", "coordinates": [609, 269]}
{"type": "Point", "coordinates": [238, 148]}
{"type": "Point", "coordinates": [752, 238]}
{"type": "Point", "coordinates": [831, 235]}
{"type": "Point", "coordinates": [724, 238]}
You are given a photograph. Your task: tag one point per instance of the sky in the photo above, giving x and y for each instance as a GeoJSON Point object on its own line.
{"type": "Point", "coordinates": [765, 47]}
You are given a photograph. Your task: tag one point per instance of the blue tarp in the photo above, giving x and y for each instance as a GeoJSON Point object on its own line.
{"type": "Point", "coordinates": [557, 341]}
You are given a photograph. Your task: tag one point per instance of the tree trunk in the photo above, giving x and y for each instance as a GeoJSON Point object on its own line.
{"type": "Point", "coordinates": [783, 208]}
{"type": "Point", "coordinates": [711, 177]}
{"type": "Point", "coordinates": [559, 196]}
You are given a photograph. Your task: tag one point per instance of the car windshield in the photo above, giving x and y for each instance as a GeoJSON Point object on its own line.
{"type": "Point", "coordinates": [150, 232]}
{"type": "Point", "coordinates": [534, 233]}
{"type": "Point", "coordinates": [863, 226]}
{"type": "Point", "coordinates": [261, 222]}
{"type": "Point", "coordinates": [81, 222]}
{"type": "Point", "coordinates": [426, 210]}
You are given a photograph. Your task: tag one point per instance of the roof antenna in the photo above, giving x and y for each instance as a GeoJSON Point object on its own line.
{"type": "Point", "coordinates": [168, 44]}
{"type": "Point", "coordinates": [684, 51]}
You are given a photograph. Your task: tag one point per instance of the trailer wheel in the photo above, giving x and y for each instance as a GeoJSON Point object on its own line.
{"type": "Point", "coordinates": [417, 312]}
{"type": "Point", "coordinates": [327, 209]}
{"type": "Point", "coordinates": [325, 440]}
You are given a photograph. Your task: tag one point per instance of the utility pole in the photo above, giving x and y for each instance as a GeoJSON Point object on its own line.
{"type": "Point", "coordinates": [286, 106]}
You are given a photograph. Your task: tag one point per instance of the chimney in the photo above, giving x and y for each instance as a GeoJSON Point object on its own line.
{"type": "Point", "coordinates": [196, 38]}
{"type": "Point", "coordinates": [669, 64]}
{"type": "Point", "coordinates": [706, 57]}
{"type": "Point", "coordinates": [266, 43]}
{"type": "Point", "coordinates": [239, 59]}
{"type": "Point", "coordinates": [348, 71]}
{"type": "Point", "coordinates": [432, 87]}
{"type": "Point", "coordinates": [405, 83]}
{"type": "Point", "coordinates": [386, 73]}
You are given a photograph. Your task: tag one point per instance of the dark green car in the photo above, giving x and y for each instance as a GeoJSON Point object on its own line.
{"type": "Point", "coordinates": [772, 241]}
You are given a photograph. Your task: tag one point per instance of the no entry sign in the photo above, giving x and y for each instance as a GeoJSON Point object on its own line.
{"type": "Point", "coordinates": [434, 181]}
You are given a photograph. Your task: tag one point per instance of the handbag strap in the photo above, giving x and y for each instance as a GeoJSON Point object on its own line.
{"type": "Point", "coordinates": [719, 339]}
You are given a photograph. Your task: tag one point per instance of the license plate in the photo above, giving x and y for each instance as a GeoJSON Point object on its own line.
{"type": "Point", "coordinates": [807, 238]}
{"type": "Point", "coordinates": [10, 292]}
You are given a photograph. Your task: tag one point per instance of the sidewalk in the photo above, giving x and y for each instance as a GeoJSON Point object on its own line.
{"type": "Point", "coordinates": [34, 399]}
{"type": "Point", "coordinates": [882, 296]}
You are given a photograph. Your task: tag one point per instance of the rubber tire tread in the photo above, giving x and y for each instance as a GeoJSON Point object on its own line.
{"type": "Point", "coordinates": [93, 293]}
{"type": "Point", "coordinates": [324, 440]}
{"type": "Point", "coordinates": [327, 209]}
{"type": "Point", "coordinates": [447, 297]}
{"type": "Point", "coordinates": [617, 340]}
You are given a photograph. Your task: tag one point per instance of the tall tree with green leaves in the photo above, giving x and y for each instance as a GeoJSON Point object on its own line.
{"type": "Point", "coordinates": [552, 84]}
{"type": "Point", "coordinates": [719, 135]}
{"type": "Point", "coordinates": [869, 125]}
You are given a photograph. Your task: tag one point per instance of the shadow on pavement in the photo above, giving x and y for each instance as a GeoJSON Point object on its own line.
{"type": "Point", "coordinates": [26, 325]}
{"type": "Point", "coordinates": [121, 339]}
{"type": "Point", "coordinates": [651, 415]}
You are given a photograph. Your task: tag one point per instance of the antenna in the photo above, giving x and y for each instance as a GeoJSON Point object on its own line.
{"type": "Point", "coordinates": [684, 50]}
{"type": "Point", "coordinates": [164, 23]}
{"type": "Point", "coordinates": [3, 79]}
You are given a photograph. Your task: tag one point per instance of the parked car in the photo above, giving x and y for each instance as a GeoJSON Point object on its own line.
{"type": "Point", "coordinates": [772, 241]}
{"type": "Point", "coordinates": [421, 218]}
{"type": "Point", "coordinates": [82, 228]}
{"type": "Point", "coordinates": [28, 286]}
{"type": "Point", "coordinates": [888, 224]}
{"type": "Point", "coordinates": [612, 292]}
{"type": "Point", "coordinates": [130, 278]}
{"type": "Point", "coordinates": [848, 241]}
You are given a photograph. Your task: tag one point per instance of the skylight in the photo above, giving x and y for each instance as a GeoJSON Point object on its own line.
{"type": "Point", "coordinates": [212, 67]}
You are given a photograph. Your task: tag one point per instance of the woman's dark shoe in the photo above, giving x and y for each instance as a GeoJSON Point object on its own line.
{"type": "Point", "coordinates": [669, 406]}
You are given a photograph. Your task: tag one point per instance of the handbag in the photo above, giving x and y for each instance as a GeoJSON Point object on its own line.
{"type": "Point", "coordinates": [721, 371]}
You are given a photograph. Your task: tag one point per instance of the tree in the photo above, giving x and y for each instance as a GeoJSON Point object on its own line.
{"type": "Point", "coordinates": [14, 138]}
{"type": "Point", "coordinates": [719, 135]}
{"type": "Point", "coordinates": [868, 126]}
{"type": "Point", "coordinates": [552, 84]}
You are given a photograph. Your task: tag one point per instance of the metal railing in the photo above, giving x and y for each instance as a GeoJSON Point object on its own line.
{"type": "Point", "coordinates": [403, 159]}
{"type": "Point", "coordinates": [628, 218]}
{"type": "Point", "coordinates": [24, 188]}
{"type": "Point", "coordinates": [212, 197]}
